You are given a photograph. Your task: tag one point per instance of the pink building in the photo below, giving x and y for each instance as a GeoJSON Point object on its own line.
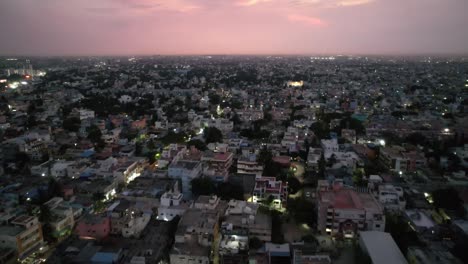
{"type": "Point", "coordinates": [269, 186]}
{"type": "Point", "coordinates": [415, 159]}
{"type": "Point", "coordinates": [116, 120]}
{"type": "Point", "coordinates": [139, 124]}
{"type": "Point", "coordinates": [93, 226]}
{"type": "Point", "coordinates": [216, 165]}
{"type": "Point", "coordinates": [343, 212]}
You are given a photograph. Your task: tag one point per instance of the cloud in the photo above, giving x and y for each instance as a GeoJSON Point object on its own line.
{"type": "Point", "coordinates": [102, 10]}
{"type": "Point", "coordinates": [329, 3]}
{"type": "Point", "coordinates": [353, 2]}
{"type": "Point", "coordinates": [310, 21]}
{"type": "Point", "coordinates": [251, 2]}
{"type": "Point", "coordinates": [154, 5]}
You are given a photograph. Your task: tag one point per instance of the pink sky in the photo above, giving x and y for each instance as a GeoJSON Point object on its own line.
{"type": "Point", "coordinates": [133, 27]}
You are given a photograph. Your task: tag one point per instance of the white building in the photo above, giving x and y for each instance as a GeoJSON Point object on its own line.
{"type": "Point", "coordinates": [86, 114]}
{"type": "Point", "coordinates": [391, 197]}
{"type": "Point", "coordinates": [172, 205]}
{"type": "Point", "coordinates": [186, 171]}
{"type": "Point", "coordinates": [381, 248]}
{"type": "Point", "coordinates": [329, 146]}
{"type": "Point", "coordinates": [242, 215]}
{"type": "Point", "coordinates": [124, 99]}
{"type": "Point", "coordinates": [59, 169]}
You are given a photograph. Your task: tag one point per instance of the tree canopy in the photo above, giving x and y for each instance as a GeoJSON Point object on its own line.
{"type": "Point", "coordinates": [212, 135]}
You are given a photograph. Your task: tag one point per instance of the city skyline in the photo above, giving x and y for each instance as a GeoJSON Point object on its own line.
{"type": "Point", "coordinates": [233, 27]}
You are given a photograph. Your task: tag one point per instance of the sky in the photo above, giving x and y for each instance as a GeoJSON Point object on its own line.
{"type": "Point", "coordinates": [148, 27]}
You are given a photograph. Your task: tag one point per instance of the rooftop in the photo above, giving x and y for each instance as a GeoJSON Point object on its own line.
{"type": "Point", "coordinates": [381, 248]}
{"type": "Point", "coordinates": [185, 164]}
{"type": "Point", "coordinates": [10, 230]}
{"type": "Point", "coordinates": [191, 247]}
{"type": "Point", "coordinates": [349, 199]}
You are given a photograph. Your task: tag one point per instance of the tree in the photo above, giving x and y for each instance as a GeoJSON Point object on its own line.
{"type": "Point", "coordinates": [214, 98]}
{"type": "Point", "coordinates": [294, 185]}
{"type": "Point", "coordinates": [203, 186]}
{"type": "Point", "coordinates": [98, 198]}
{"type": "Point", "coordinates": [212, 135]}
{"type": "Point", "coordinates": [235, 119]}
{"type": "Point", "coordinates": [173, 137]}
{"type": "Point", "coordinates": [277, 235]}
{"type": "Point", "coordinates": [200, 145]}
{"type": "Point", "coordinates": [264, 156]}
{"type": "Point", "coordinates": [44, 214]}
{"type": "Point", "coordinates": [448, 199]}
{"type": "Point", "coordinates": [53, 188]}
{"type": "Point", "coordinates": [358, 177]}
{"type": "Point", "coordinates": [403, 235]}
{"type": "Point", "coordinates": [320, 129]}
{"type": "Point", "coordinates": [303, 211]}
{"type": "Point", "coordinates": [416, 139]}
{"type": "Point", "coordinates": [95, 135]}
{"type": "Point", "coordinates": [459, 250]}
{"type": "Point", "coordinates": [22, 159]}
{"type": "Point", "coordinates": [360, 256]}
{"type": "Point", "coordinates": [321, 166]}
{"type": "Point", "coordinates": [255, 243]}
{"type": "Point", "coordinates": [228, 191]}
{"type": "Point", "coordinates": [272, 169]}
{"type": "Point", "coordinates": [71, 124]}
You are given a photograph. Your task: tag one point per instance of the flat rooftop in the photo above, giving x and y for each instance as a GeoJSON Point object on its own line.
{"type": "Point", "coordinates": [191, 247]}
{"type": "Point", "coordinates": [10, 230]}
{"type": "Point", "coordinates": [381, 248]}
{"type": "Point", "coordinates": [349, 199]}
{"type": "Point", "coordinates": [419, 218]}
{"type": "Point", "coordinates": [186, 164]}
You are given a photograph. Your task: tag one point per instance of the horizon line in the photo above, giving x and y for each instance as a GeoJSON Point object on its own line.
{"type": "Point", "coordinates": [383, 54]}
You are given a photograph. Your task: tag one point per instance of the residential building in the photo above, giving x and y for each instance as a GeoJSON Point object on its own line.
{"type": "Point", "coordinates": [391, 197]}
{"type": "Point", "coordinates": [62, 217]}
{"type": "Point", "coordinates": [344, 212]}
{"type": "Point", "coordinates": [216, 165]}
{"type": "Point", "coordinates": [194, 236]}
{"type": "Point", "coordinates": [186, 171]}
{"type": "Point", "coordinates": [127, 220]}
{"type": "Point", "coordinates": [305, 254]}
{"type": "Point", "coordinates": [313, 158]}
{"type": "Point", "coordinates": [243, 217]}
{"type": "Point", "coordinates": [269, 186]}
{"type": "Point", "coordinates": [93, 226]}
{"type": "Point", "coordinates": [22, 234]}
{"type": "Point", "coordinates": [172, 204]}
{"type": "Point", "coordinates": [249, 165]}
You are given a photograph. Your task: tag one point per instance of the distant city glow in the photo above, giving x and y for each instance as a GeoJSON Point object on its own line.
{"type": "Point", "coordinates": [13, 85]}
{"type": "Point", "coordinates": [296, 83]}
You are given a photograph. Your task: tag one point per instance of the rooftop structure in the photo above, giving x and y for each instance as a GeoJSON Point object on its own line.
{"type": "Point", "coordinates": [381, 248]}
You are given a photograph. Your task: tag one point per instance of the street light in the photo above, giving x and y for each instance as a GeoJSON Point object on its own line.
{"type": "Point", "coordinates": [382, 142]}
